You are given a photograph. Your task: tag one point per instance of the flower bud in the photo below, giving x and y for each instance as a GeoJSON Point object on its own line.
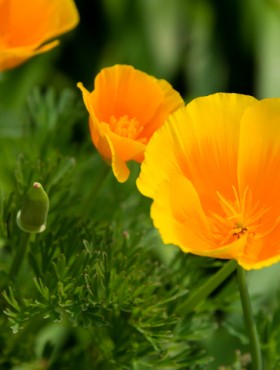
{"type": "Point", "coordinates": [33, 214]}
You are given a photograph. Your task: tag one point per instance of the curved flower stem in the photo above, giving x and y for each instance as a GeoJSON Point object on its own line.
{"type": "Point", "coordinates": [249, 320]}
{"type": "Point", "coordinates": [208, 287]}
{"type": "Point", "coordinates": [20, 252]}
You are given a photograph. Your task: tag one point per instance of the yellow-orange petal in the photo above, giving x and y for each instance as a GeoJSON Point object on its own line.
{"type": "Point", "coordinates": [39, 20]}
{"type": "Point", "coordinates": [261, 252]}
{"type": "Point", "coordinates": [68, 17]}
{"type": "Point", "coordinates": [177, 213]}
{"type": "Point", "coordinates": [87, 99]}
{"type": "Point", "coordinates": [98, 130]}
{"type": "Point", "coordinates": [122, 90]}
{"type": "Point", "coordinates": [164, 153]}
{"type": "Point", "coordinates": [200, 141]}
{"type": "Point", "coordinates": [99, 138]}
{"type": "Point", "coordinates": [24, 29]}
{"type": "Point", "coordinates": [106, 144]}
{"type": "Point", "coordinates": [125, 107]}
{"type": "Point", "coordinates": [172, 101]}
{"type": "Point", "coordinates": [123, 150]}
{"type": "Point", "coordinates": [259, 154]}
{"type": "Point", "coordinates": [14, 57]}
{"type": "Point", "coordinates": [213, 145]}
{"type": "Point", "coordinates": [115, 149]}
{"type": "Point", "coordinates": [4, 16]}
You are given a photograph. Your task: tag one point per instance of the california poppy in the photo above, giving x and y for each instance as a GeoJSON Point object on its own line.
{"type": "Point", "coordinates": [216, 192]}
{"type": "Point", "coordinates": [26, 26]}
{"type": "Point", "coordinates": [125, 108]}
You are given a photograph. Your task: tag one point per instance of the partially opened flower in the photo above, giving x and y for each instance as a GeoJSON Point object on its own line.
{"type": "Point", "coordinates": [216, 189]}
{"type": "Point", "coordinates": [26, 26]}
{"type": "Point", "coordinates": [125, 108]}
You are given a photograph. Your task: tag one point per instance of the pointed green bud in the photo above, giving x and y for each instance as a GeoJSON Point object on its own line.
{"type": "Point", "coordinates": [32, 216]}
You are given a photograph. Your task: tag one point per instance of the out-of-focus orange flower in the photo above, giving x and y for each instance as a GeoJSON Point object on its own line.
{"type": "Point", "coordinates": [26, 25]}
{"type": "Point", "coordinates": [216, 188]}
{"type": "Point", "coordinates": [125, 108]}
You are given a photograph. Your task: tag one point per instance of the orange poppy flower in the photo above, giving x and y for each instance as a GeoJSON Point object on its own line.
{"type": "Point", "coordinates": [26, 25]}
{"type": "Point", "coordinates": [125, 108]}
{"type": "Point", "coordinates": [216, 191]}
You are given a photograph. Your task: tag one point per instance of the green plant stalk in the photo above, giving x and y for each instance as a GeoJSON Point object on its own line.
{"type": "Point", "coordinates": [249, 320]}
{"type": "Point", "coordinates": [208, 287]}
{"type": "Point", "coordinates": [20, 253]}
{"type": "Point", "coordinates": [90, 199]}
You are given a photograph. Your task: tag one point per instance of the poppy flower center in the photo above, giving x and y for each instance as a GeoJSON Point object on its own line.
{"type": "Point", "coordinates": [125, 126]}
{"type": "Point", "coordinates": [239, 217]}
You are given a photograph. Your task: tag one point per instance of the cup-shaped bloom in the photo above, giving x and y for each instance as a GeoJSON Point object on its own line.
{"type": "Point", "coordinates": [125, 108]}
{"type": "Point", "coordinates": [32, 216]}
{"type": "Point", "coordinates": [216, 191]}
{"type": "Point", "coordinates": [26, 26]}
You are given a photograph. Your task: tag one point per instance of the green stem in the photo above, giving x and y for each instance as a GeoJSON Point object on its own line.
{"type": "Point", "coordinates": [208, 287]}
{"type": "Point", "coordinates": [20, 252]}
{"type": "Point", "coordinates": [88, 204]}
{"type": "Point", "coordinates": [249, 320]}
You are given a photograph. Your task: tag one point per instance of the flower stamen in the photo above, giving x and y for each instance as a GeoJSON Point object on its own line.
{"type": "Point", "coordinates": [240, 216]}
{"type": "Point", "coordinates": [238, 231]}
{"type": "Point", "coordinates": [125, 126]}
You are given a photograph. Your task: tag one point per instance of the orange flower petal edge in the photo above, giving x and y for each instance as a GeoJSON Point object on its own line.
{"type": "Point", "coordinates": [125, 108]}
{"type": "Point", "coordinates": [24, 30]}
{"type": "Point", "coordinates": [216, 193]}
